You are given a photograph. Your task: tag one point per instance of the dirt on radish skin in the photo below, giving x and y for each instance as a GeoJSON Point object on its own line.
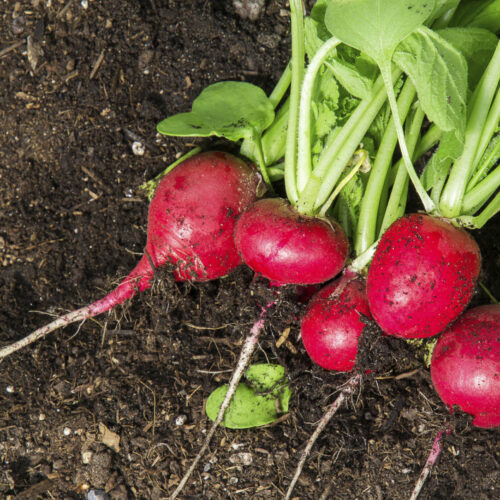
{"type": "Point", "coordinates": [465, 366]}
{"type": "Point", "coordinates": [191, 222]}
{"type": "Point", "coordinates": [422, 276]}
{"type": "Point", "coordinates": [289, 248]}
{"type": "Point", "coordinates": [333, 323]}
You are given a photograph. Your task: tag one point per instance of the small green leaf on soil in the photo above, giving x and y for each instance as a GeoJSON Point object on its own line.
{"type": "Point", "coordinates": [259, 401]}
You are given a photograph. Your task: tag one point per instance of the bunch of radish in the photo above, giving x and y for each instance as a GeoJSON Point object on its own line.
{"type": "Point", "coordinates": [342, 195]}
{"type": "Point", "coordinates": [424, 268]}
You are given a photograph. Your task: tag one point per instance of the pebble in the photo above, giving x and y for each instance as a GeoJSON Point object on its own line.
{"type": "Point", "coordinates": [97, 495]}
{"type": "Point", "coordinates": [243, 458]}
{"type": "Point", "coordinates": [180, 420]}
{"type": "Point", "coordinates": [138, 148]}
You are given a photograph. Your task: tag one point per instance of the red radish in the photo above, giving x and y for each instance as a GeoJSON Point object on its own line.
{"type": "Point", "coordinates": [465, 366]}
{"type": "Point", "coordinates": [333, 323]}
{"type": "Point", "coordinates": [422, 276]}
{"type": "Point", "coordinates": [190, 224]}
{"type": "Point", "coordinates": [282, 245]}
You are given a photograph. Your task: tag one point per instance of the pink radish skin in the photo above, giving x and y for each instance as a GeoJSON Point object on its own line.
{"type": "Point", "coordinates": [333, 323]}
{"type": "Point", "coordinates": [190, 224]}
{"type": "Point", "coordinates": [465, 366]}
{"type": "Point", "coordinates": [422, 276]}
{"type": "Point", "coordinates": [289, 248]}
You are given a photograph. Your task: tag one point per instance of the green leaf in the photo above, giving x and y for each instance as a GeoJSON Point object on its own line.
{"type": "Point", "coordinates": [234, 110]}
{"type": "Point", "coordinates": [478, 13]}
{"type": "Point", "coordinates": [356, 78]}
{"type": "Point", "coordinates": [476, 45]}
{"type": "Point", "coordinates": [438, 166]}
{"type": "Point", "coordinates": [259, 402]}
{"type": "Point", "coordinates": [375, 27]}
{"type": "Point", "coordinates": [439, 73]}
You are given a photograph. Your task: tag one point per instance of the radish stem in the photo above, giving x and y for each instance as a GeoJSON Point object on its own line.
{"type": "Point", "coordinates": [297, 62]}
{"type": "Point", "coordinates": [304, 167]}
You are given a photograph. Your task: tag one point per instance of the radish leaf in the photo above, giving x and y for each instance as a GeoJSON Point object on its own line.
{"type": "Point", "coordinates": [478, 13]}
{"type": "Point", "coordinates": [375, 27]}
{"type": "Point", "coordinates": [257, 402]}
{"type": "Point", "coordinates": [234, 110]}
{"type": "Point", "coordinates": [439, 73]}
{"type": "Point", "coordinates": [477, 45]}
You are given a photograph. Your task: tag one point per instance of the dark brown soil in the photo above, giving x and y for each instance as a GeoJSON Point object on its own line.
{"type": "Point", "coordinates": [89, 83]}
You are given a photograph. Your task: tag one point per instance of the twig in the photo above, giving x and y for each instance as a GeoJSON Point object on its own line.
{"type": "Point", "coordinates": [12, 47]}
{"type": "Point", "coordinates": [97, 64]}
{"type": "Point", "coordinates": [348, 389]}
{"type": "Point", "coordinates": [429, 464]}
{"type": "Point", "coordinates": [247, 350]}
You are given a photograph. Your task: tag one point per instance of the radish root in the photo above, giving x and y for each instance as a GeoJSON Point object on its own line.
{"type": "Point", "coordinates": [347, 390]}
{"type": "Point", "coordinates": [78, 315]}
{"type": "Point", "coordinates": [429, 464]}
{"type": "Point", "coordinates": [246, 353]}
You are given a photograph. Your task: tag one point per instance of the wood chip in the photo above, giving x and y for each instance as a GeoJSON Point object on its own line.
{"type": "Point", "coordinates": [283, 337]}
{"type": "Point", "coordinates": [109, 438]}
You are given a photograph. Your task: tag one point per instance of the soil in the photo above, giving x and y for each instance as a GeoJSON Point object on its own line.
{"type": "Point", "coordinates": [117, 404]}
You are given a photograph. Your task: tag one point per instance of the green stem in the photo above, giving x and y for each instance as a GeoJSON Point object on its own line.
{"type": "Point", "coordinates": [261, 162]}
{"type": "Point", "coordinates": [480, 220]}
{"type": "Point", "coordinates": [297, 64]}
{"type": "Point", "coordinates": [490, 127]}
{"type": "Point", "coordinates": [488, 293]}
{"type": "Point", "coordinates": [480, 194]}
{"type": "Point", "coordinates": [399, 192]}
{"type": "Point", "coordinates": [281, 87]}
{"type": "Point", "coordinates": [428, 204]}
{"type": "Point", "coordinates": [453, 193]}
{"type": "Point", "coordinates": [361, 261]}
{"type": "Point", "coordinates": [276, 172]}
{"type": "Point", "coordinates": [304, 160]}
{"type": "Point", "coordinates": [489, 130]}
{"type": "Point", "coordinates": [363, 154]}
{"type": "Point", "coordinates": [367, 223]}
{"type": "Point", "coordinates": [336, 156]}
{"type": "Point", "coordinates": [429, 140]}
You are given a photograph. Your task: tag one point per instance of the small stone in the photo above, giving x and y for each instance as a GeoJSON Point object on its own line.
{"type": "Point", "coordinates": [180, 420]}
{"type": "Point", "coordinates": [138, 148]}
{"type": "Point", "coordinates": [243, 458]}
{"type": "Point", "coordinates": [87, 456]}
{"type": "Point", "coordinates": [270, 41]}
{"type": "Point", "coordinates": [97, 495]}
{"type": "Point", "coordinates": [10, 389]}
{"type": "Point", "coordinates": [248, 9]}
{"type": "Point", "coordinates": [67, 431]}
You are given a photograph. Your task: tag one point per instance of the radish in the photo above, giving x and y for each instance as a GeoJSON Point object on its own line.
{"type": "Point", "coordinates": [190, 225]}
{"type": "Point", "coordinates": [465, 366]}
{"type": "Point", "coordinates": [282, 245]}
{"type": "Point", "coordinates": [333, 323]}
{"type": "Point", "coordinates": [422, 276]}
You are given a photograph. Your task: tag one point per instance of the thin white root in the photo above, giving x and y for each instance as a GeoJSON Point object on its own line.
{"type": "Point", "coordinates": [65, 320]}
{"type": "Point", "coordinates": [429, 464]}
{"type": "Point", "coordinates": [246, 353]}
{"type": "Point", "coordinates": [347, 390]}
